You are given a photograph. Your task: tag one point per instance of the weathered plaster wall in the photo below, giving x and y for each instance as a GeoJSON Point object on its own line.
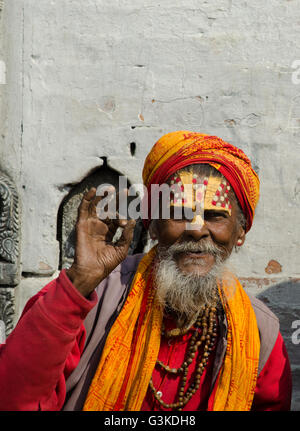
{"type": "Point", "coordinates": [85, 79]}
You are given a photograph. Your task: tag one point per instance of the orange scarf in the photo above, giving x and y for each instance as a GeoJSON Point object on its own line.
{"type": "Point", "coordinates": [129, 356]}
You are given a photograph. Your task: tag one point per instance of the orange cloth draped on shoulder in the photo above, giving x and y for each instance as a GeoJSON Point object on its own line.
{"type": "Point", "coordinates": [131, 349]}
{"type": "Point", "coordinates": [237, 379]}
{"type": "Point", "coordinates": [178, 149]}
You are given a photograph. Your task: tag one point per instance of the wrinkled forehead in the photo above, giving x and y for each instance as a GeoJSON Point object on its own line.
{"type": "Point", "coordinates": [200, 170]}
{"type": "Point", "coordinates": [201, 184]}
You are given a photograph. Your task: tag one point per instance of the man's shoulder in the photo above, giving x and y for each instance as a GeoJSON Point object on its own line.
{"type": "Point", "coordinates": [262, 311]}
{"type": "Point", "coordinates": [268, 326]}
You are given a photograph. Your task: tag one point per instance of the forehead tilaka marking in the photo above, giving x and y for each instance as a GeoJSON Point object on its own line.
{"type": "Point", "coordinates": [192, 191]}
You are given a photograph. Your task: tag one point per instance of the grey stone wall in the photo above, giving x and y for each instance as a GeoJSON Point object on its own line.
{"type": "Point", "coordinates": [87, 79]}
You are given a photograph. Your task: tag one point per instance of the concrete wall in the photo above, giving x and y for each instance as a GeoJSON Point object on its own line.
{"type": "Point", "coordinates": [85, 79]}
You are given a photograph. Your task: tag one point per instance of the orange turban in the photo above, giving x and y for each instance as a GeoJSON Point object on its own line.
{"type": "Point", "coordinates": [176, 150]}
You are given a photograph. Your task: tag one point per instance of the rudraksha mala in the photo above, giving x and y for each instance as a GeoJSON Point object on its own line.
{"type": "Point", "coordinates": [206, 321]}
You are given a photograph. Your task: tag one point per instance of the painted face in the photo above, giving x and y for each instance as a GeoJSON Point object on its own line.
{"type": "Point", "coordinates": [214, 221]}
{"type": "Point", "coordinates": [194, 194]}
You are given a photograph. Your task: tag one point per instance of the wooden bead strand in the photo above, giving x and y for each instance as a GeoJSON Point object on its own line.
{"type": "Point", "coordinates": [207, 322]}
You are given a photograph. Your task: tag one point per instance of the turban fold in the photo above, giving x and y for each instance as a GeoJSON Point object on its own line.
{"type": "Point", "coordinates": [179, 149]}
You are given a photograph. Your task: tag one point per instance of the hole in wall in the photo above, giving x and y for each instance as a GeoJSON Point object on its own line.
{"type": "Point", "coordinates": [132, 146]}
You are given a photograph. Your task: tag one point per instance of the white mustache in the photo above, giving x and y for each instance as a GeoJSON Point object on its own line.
{"type": "Point", "coordinates": [194, 247]}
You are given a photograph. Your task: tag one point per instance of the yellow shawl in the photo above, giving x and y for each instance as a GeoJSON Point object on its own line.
{"type": "Point", "coordinates": [129, 356]}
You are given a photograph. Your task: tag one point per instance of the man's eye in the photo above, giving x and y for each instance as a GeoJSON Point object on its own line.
{"type": "Point", "coordinates": [214, 214]}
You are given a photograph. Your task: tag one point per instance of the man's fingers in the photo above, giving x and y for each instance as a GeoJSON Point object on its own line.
{"type": "Point", "coordinates": [127, 234]}
{"type": "Point", "coordinates": [114, 223]}
{"type": "Point", "coordinates": [89, 195]}
{"type": "Point", "coordinates": [93, 206]}
{"type": "Point", "coordinates": [83, 210]}
{"type": "Point", "coordinates": [113, 201]}
{"type": "Point", "coordinates": [105, 204]}
{"type": "Point", "coordinates": [90, 200]}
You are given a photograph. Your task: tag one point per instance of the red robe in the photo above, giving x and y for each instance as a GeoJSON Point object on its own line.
{"type": "Point", "coordinates": [273, 388]}
{"type": "Point", "coordinates": [46, 345]}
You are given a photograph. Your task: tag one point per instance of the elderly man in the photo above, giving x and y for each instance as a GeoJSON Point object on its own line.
{"type": "Point", "coordinates": [169, 330]}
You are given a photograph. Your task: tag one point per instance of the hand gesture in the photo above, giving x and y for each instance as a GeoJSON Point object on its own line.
{"type": "Point", "coordinates": [95, 253]}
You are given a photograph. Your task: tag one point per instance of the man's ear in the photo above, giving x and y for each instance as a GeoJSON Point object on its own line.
{"type": "Point", "coordinates": [153, 230]}
{"type": "Point", "coordinates": [241, 237]}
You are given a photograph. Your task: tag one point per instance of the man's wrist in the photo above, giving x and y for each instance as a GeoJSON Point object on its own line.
{"type": "Point", "coordinates": [84, 282]}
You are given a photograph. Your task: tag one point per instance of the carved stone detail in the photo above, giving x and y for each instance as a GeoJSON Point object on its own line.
{"type": "Point", "coordinates": [9, 232]}
{"type": "Point", "coordinates": [7, 309]}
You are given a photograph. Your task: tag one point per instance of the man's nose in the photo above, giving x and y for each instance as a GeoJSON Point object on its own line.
{"type": "Point", "coordinates": [196, 231]}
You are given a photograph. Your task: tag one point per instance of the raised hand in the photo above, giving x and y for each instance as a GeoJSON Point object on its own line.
{"type": "Point", "coordinates": [95, 253]}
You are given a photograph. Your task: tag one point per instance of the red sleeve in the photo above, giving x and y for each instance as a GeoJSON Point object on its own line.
{"type": "Point", "coordinates": [274, 384]}
{"type": "Point", "coordinates": [44, 348]}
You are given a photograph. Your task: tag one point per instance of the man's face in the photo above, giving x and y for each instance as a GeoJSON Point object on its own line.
{"type": "Point", "coordinates": [220, 230]}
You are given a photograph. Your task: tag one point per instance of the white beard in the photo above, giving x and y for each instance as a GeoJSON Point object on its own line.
{"type": "Point", "coordinates": [186, 294]}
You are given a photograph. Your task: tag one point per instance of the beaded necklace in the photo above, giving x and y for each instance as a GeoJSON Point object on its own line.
{"type": "Point", "coordinates": [207, 322]}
